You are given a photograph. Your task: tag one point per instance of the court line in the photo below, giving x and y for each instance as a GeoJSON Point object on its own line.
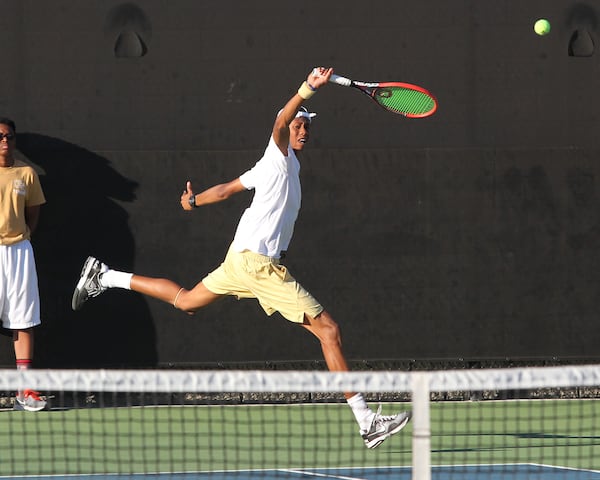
{"type": "Point", "coordinates": [317, 474]}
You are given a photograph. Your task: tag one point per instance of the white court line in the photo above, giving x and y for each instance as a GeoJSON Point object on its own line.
{"type": "Point", "coordinates": [325, 475]}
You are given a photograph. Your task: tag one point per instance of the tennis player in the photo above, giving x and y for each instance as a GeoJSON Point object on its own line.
{"type": "Point", "coordinates": [21, 196]}
{"type": "Point", "coordinates": [252, 267]}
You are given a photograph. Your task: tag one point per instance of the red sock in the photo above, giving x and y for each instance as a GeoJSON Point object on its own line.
{"type": "Point", "coordinates": [23, 363]}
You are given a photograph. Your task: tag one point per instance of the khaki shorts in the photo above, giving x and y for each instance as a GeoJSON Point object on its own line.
{"type": "Point", "coordinates": [251, 275]}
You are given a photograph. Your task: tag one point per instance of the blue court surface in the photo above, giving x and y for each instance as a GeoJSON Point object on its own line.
{"type": "Point", "coordinates": [462, 472]}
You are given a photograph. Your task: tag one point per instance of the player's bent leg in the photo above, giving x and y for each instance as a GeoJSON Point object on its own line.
{"type": "Point", "coordinates": [192, 300]}
{"type": "Point", "coordinates": [96, 277]}
{"type": "Point", "coordinates": [159, 288]}
{"type": "Point", "coordinates": [374, 427]}
{"type": "Point", "coordinates": [328, 332]}
{"type": "Point", "coordinates": [171, 292]}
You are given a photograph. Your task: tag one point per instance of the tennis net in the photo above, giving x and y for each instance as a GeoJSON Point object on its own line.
{"type": "Point", "coordinates": [529, 423]}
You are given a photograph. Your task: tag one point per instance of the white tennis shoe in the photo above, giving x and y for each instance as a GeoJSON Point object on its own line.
{"type": "Point", "coordinates": [30, 401]}
{"type": "Point", "coordinates": [383, 427]}
{"type": "Point", "coordinates": [89, 282]}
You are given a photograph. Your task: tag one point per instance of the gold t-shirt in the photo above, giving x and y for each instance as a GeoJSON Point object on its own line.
{"type": "Point", "coordinates": [19, 188]}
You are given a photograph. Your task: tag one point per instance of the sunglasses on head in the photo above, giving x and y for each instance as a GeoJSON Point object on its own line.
{"type": "Point", "coordinates": [8, 136]}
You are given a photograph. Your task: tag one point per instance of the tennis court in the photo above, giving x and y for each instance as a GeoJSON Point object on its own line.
{"type": "Point", "coordinates": [473, 472]}
{"type": "Point", "coordinates": [518, 439]}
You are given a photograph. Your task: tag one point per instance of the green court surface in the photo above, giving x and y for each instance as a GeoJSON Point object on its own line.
{"type": "Point", "coordinates": [126, 440]}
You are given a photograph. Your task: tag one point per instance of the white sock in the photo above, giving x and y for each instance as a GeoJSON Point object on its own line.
{"type": "Point", "coordinates": [362, 412]}
{"type": "Point", "coordinates": [116, 279]}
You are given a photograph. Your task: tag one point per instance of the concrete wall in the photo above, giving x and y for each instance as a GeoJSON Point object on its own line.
{"type": "Point", "coordinates": [470, 234]}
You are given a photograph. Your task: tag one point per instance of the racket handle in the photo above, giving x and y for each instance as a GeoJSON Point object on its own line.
{"type": "Point", "coordinates": [345, 82]}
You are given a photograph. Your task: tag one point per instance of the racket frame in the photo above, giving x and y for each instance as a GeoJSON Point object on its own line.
{"type": "Point", "coordinates": [370, 89]}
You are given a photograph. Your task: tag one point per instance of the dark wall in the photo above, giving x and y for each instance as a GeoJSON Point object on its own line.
{"type": "Point", "coordinates": [470, 234]}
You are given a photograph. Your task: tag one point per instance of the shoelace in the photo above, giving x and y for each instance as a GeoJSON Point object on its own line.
{"type": "Point", "coordinates": [94, 288]}
{"type": "Point", "coordinates": [31, 393]}
{"type": "Point", "coordinates": [378, 418]}
{"type": "Point", "coordinates": [386, 418]}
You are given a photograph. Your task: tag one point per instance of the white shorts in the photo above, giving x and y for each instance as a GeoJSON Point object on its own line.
{"type": "Point", "coordinates": [19, 294]}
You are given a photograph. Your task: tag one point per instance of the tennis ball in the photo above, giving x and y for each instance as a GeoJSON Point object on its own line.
{"type": "Point", "coordinates": [541, 27]}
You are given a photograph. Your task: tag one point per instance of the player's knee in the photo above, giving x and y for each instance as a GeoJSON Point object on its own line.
{"type": "Point", "coordinates": [183, 301]}
{"type": "Point", "coordinates": [329, 330]}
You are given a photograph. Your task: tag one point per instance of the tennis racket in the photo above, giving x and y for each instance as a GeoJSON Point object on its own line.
{"type": "Point", "coordinates": [405, 99]}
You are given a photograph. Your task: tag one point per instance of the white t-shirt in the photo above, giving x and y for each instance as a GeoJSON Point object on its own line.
{"type": "Point", "coordinates": [267, 225]}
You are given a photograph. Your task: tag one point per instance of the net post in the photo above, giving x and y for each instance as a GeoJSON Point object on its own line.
{"type": "Point", "coordinates": [421, 438]}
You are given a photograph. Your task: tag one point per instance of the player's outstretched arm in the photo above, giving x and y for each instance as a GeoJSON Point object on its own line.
{"type": "Point", "coordinates": [318, 77]}
{"type": "Point", "coordinates": [218, 193]}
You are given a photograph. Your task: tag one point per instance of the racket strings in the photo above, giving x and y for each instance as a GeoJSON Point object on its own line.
{"type": "Point", "coordinates": [405, 101]}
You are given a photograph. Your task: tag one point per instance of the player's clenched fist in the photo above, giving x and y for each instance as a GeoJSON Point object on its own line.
{"type": "Point", "coordinates": [188, 199]}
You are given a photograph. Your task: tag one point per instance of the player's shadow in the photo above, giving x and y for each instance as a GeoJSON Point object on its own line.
{"type": "Point", "coordinates": [83, 217]}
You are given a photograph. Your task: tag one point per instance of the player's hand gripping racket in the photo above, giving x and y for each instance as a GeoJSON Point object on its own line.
{"type": "Point", "coordinates": [405, 99]}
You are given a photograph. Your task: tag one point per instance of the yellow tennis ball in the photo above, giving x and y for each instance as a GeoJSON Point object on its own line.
{"type": "Point", "coordinates": [541, 27]}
